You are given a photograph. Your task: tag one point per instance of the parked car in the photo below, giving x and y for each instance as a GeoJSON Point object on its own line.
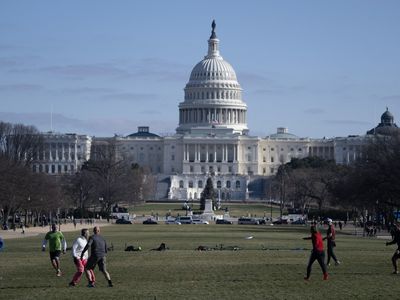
{"type": "Point", "coordinates": [248, 221]}
{"type": "Point", "coordinates": [197, 221]}
{"type": "Point", "coordinates": [223, 221]}
{"type": "Point", "coordinates": [280, 221]}
{"type": "Point", "coordinates": [185, 219]}
{"type": "Point", "coordinates": [299, 222]}
{"type": "Point", "coordinates": [123, 221]}
{"type": "Point", "coordinates": [262, 221]}
{"type": "Point", "coordinates": [149, 222]}
{"type": "Point", "coordinates": [168, 222]}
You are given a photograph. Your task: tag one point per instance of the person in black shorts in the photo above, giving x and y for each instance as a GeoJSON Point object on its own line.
{"type": "Point", "coordinates": [98, 251]}
{"type": "Point", "coordinates": [396, 240]}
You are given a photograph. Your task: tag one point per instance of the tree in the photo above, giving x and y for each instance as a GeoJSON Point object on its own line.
{"type": "Point", "coordinates": [208, 193]}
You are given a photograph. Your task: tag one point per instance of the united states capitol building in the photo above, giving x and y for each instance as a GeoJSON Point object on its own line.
{"type": "Point", "coordinates": [212, 140]}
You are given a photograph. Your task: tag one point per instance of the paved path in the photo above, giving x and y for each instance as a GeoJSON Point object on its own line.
{"type": "Point", "coordinates": [34, 231]}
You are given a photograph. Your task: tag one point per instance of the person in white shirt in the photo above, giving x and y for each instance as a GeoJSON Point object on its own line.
{"type": "Point", "coordinates": [80, 263]}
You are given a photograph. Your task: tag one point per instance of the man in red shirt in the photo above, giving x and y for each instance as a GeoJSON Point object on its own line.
{"type": "Point", "coordinates": [317, 253]}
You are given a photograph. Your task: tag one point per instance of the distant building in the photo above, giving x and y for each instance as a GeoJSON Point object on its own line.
{"type": "Point", "coordinates": [212, 140]}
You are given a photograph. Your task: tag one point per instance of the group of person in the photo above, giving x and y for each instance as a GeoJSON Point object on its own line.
{"type": "Point", "coordinates": [98, 246]}
{"type": "Point", "coordinates": [318, 253]}
{"type": "Point", "coordinates": [83, 262]}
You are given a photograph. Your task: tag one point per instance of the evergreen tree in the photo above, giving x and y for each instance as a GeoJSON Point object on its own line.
{"type": "Point", "coordinates": [208, 193]}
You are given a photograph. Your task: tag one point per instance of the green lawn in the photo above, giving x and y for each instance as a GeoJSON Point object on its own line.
{"type": "Point", "coordinates": [183, 273]}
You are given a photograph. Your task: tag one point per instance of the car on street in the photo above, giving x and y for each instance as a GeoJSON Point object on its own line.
{"type": "Point", "coordinates": [185, 219]}
{"type": "Point", "coordinates": [299, 222]}
{"type": "Point", "coordinates": [247, 221]}
{"type": "Point", "coordinates": [198, 221]}
{"type": "Point", "coordinates": [122, 221]}
{"type": "Point", "coordinates": [280, 222]}
{"type": "Point", "coordinates": [223, 221]}
{"type": "Point", "coordinates": [150, 222]}
{"type": "Point", "coordinates": [169, 222]}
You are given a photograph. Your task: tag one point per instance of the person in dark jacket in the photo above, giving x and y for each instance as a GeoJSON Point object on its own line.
{"type": "Point", "coordinates": [98, 251]}
{"type": "Point", "coordinates": [317, 253]}
{"type": "Point", "coordinates": [396, 240]}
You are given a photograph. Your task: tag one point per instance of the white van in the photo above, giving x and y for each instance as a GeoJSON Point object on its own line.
{"type": "Point", "coordinates": [184, 219]}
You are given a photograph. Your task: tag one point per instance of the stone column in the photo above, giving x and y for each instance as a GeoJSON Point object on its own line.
{"type": "Point", "coordinates": [207, 153]}
{"type": "Point", "coordinates": [215, 152]}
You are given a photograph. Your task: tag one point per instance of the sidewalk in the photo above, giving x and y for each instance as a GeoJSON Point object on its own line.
{"type": "Point", "coordinates": [34, 231]}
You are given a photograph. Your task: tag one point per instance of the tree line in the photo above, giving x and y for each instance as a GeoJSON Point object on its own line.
{"type": "Point", "coordinates": [369, 187]}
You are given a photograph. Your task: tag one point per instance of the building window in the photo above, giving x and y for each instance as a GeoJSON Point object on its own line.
{"type": "Point", "coordinates": [218, 184]}
{"type": "Point", "coordinates": [173, 157]}
{"type": "Point", "coordinates": [237, 184]}
{"type": "Point", "coordinates": [272, 170]}
{"type": "Point", "coordinates": [264, 159]}
{"type": "Point", "coordinates": [218, 169]}
{"type": "Point", "coordinates": [172, 170]}
{"type": "Point", "coordinates": [272, 149]}
{"type": "Point", "coordinates": [264, 170]}
{"type": "Point", "coordinates": [202, 169]}
{"type": "Point", "coordinates": [181, 184]}
{"type": "Point", "coordinates": [190, 184]}
{"type": "Point", "coordinates": [228, 184]}
{"type": "Point", "coordinates": [300, 149]}
{"type": "Point", "coordinates": [272, 159]}
{"type": "Point", "coordinates": [72, 168]}
{"type": "Point", "coordinates": [264, 149]}
{"type": "Point", "coordinates": [248, 157]}
{"type": "Point", "coordinates": [59, 169]}
{"type": "Point", "coordinates": [191, 169]}
{"type": "Point", "coordinates": [230, 169]}
{"type": "Point", "coordinates": [200, 184]}
{"type": "Point", "coordinates": [47, 168]}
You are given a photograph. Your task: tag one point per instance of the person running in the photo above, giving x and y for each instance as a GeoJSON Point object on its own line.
{"type": "Point", "coordinates": [56, 243]}
{"type": "Point", "coordinates": [98, 251]}
{"type": "Point", "coordinates": [331, 243]}
{"type": "Point", "coordinates": [77, 247]}
{"type": "Point", "coordinates": [317, 253]}
{"type": "Point", "coordinates": [396, 240]}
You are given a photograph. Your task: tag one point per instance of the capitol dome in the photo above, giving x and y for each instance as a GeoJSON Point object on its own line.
{"type": "Point", "coordinates": [213, 96]}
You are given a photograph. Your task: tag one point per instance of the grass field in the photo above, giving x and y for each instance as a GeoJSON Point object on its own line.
{"type": "Point", "coordinates": [183, 273]}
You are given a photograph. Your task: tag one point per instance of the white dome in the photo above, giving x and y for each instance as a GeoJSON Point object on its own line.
{"type": "Point", "coordinates": [213, 94]}
{"type": "Point", "coordinates": [213, 69]}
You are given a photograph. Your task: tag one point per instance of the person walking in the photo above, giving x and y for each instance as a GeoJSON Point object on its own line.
{"type": "Point", "coordinates": [395, 240]}
{"type": "Point", "coordinates": [331, 243]}
{"type": "Point", "coordinates": [317, 253]}
{"type": "Point", "coordinates": [77, 247]}
{"type": "Point", "coordinates": [98, 251]}
{"type": "Point", "coordinates": [56, 243]}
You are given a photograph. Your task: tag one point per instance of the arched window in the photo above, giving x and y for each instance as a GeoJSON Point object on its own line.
{"type": "Point", "coordinates": [218, 184]}
{"type": "Point", "coordinates": [228, 184]}
{"type": "Point", "coordinates": [181, 184]}
{"type": "Point", "coordinates": [237, 184]}
{"type": "Point", "coordinates": [200, 184]}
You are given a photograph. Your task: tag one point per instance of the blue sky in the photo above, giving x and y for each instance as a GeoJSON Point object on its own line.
{"type": "Point", "coordinates": [320, 68]}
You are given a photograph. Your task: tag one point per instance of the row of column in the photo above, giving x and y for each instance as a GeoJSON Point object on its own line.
{"type": "Point", "coordinates": [65, 153]}
{"type": "Point", "coordinates": [226, 151]}
{"type": "Point", "coordinates": [210, 115]}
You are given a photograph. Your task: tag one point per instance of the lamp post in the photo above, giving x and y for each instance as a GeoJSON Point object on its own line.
{"type": "Point", "coordinates": [101, 199]}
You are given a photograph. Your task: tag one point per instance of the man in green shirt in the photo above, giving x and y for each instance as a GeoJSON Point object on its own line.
{"type": "Point", "coordinates": [56, 243]}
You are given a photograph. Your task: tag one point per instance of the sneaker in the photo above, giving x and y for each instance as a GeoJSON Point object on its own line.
{"type": "Point", "coordinates": [58, 273]}
{"type": "Point", "coordinates": [306, 278]}
{"type": "Point", "coordinates": [110, 285]}
{"type": "Point", "coordinates": [72, 284]}
{"type": "Point", "coordinates": [395, 272]}
{"type": "Point", "coordinates": [337, 263]}
{"type": "Point", "coordinates": [326, 276]}
{"type": "Point", "coordinates": [91, 285]}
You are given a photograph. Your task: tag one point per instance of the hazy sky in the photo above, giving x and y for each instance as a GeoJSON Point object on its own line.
{"type": "Point", "coordinates": [320, 68]}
